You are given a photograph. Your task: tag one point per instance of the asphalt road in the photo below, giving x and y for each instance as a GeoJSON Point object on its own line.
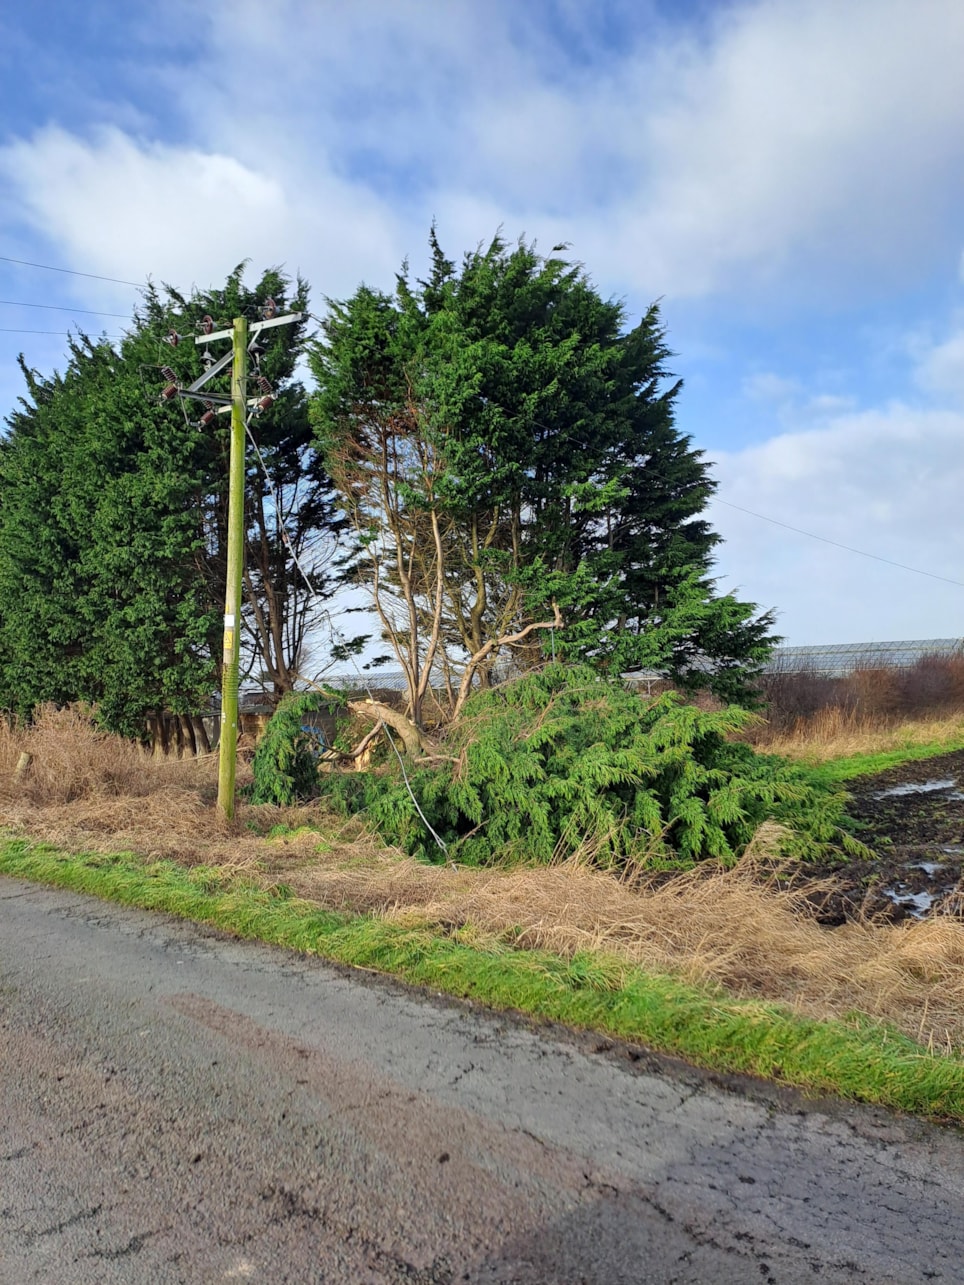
{"type": "Point", "coordinates": [177, 1107]}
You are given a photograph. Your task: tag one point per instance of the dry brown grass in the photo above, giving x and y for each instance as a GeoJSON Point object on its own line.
{"type": "Point", "coordinates": [733, 927]}
{"type": "Point", "coordinates": [86, 791]}
{"type": "Point", "coordinates": [867, 711]}
{"type": "Point", "coordinates": [89, 791]}
{"type": "Point", "coordinates": [837, 732]}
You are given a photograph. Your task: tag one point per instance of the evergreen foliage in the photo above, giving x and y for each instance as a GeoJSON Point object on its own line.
{"type": "Point", "coordinates": [290, 512]}
{"type": "Point", "coordinates": [564, 760]}
{"type": "Point", "coordinates": [101, 597]}
{"type": "Point", "coordinates": [502, 441]}
{"type": "Point", "coordinates": [286, 759]}
{"type": "Point", "coordinates": [113, 516]}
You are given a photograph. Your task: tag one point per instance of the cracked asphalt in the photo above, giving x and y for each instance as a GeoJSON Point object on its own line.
{"type": "Point", "coordinates": [180, 1107]}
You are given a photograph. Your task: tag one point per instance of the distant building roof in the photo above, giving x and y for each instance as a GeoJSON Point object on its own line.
{"type": "Point", "coordinates": [832, 659]}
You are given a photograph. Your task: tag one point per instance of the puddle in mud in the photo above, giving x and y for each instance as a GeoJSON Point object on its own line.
{"type": "Point", "coordinates": [912, 819]}
{"type": "Point", "coordinates": [917, 787]}
{"type": "Point", "coordinates": [916, 904]}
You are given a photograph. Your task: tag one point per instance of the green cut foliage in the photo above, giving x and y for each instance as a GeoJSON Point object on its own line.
{"type": "Point", "coordinates": [565, 761]}
{"type": "Point", "coordinates": [286, 760]}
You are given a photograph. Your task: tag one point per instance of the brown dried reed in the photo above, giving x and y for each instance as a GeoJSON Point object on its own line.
{"type": "Point", "coordinates": [86, 790]}
{"type": "Point", "coordinates": [835, 733]}
{"type": "Point", "coordinates": [870, 710]}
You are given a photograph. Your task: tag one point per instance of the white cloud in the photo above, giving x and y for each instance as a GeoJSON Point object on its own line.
{"type": "Point", "coordinates": [940, 369]}
{"type": "Point", "coordinates": [791, 143]}
{"type": "Point", "coordinates": [814, 142]}
{"type": "Point", "coordinates": [126, 209]}
{"type": "Point", "coordinates": [887, 482]}
{"type": "Point", "coordinates": [802, 138]}
{"type": "Point", "coordinates": [129, 209]}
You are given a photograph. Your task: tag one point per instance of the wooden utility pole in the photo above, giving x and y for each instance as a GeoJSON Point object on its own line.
{"type": "Point", "coordinates": [231, 654]}
{"type": "Point", "coordinates": [238, 404]}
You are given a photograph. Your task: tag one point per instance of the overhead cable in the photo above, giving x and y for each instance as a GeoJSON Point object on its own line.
{"type": "Point", "coordinates": [65, 334]}
{"type": "Point", "coordinates": [837, 545]}
{"type": "Point", "coordinates": [93, 276]}
{"type": "Point", "coordinates": [63, 307]}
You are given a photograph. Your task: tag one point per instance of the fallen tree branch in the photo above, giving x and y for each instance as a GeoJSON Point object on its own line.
{"type": "Point", "coordinates": [412, 738]}
{"type": "Point", "coordinates": [360, 748]}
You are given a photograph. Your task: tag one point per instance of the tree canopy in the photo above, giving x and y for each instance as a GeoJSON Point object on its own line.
{"type": "Point", "coordinates": [101, 593]}
{"type": "Point", "coordinates": [113, 514]}
{"type": "Point", "coordinates": [492, 452]}
{"type": "Point", "coordinates": [506, 450]}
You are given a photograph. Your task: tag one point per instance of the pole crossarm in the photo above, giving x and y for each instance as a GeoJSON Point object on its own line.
{"type": "Point", "coordinates": [254, 329]}
{"type": "Point", "coordinates": [209, 374]}
{"type": "Point", "coordinates": [221, 400]}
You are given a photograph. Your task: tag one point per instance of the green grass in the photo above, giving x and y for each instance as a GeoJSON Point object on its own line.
{"type": "Point", "coordinates": [851, 766]}
{"type": "Point", "coordinates": [863, 1060]}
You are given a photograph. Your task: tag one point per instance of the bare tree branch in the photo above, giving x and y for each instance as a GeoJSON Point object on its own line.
{"type": "Point", "coordinates": [505, 640]}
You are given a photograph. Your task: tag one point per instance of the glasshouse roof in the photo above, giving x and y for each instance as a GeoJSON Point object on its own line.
{"type": "Point", "coordinates": [842, 658]}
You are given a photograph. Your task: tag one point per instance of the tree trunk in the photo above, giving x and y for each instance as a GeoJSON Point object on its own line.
{"type": "Point", "coordinates": [187, 735]}
{"type": "Point", "coordinates": [201, 739]}
{"type": "Point", "coordinates": [158, 729]}
{"type": "Point", "coordinates": [410, 734]}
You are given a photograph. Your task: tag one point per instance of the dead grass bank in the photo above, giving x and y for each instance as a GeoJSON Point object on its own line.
{"type": "Point", "coordinates": [86, 791]}
{"type": "Point", "coordinates": [872, 709]}
{"type": "Point", "coordinates": [836, 733]}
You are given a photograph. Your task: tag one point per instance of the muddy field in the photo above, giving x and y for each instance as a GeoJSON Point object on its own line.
{"type": "Point", "coordinates": [912, 817]}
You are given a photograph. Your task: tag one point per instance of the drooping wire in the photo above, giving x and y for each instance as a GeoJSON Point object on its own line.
{"type": "Point", "coordinates": [61, 307]}
{"type": "Point", "coordinates": [836, 543]}
{"type": "Point", "coordinates": [64, 334]}
{"type": "Point", "coordinates": [440, 842]}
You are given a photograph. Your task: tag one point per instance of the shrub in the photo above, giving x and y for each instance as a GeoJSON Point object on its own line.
{"type": "Point", "coordinates": [565, 760]}
{"type": "Point", "coordinates": [286, 759]}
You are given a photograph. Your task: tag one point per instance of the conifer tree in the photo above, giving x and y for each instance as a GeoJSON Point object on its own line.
{"type": "Point", "coordinates": [293, 561]}
{"type": "Point", "coordinates": [508, 452]}
{"type": "Point", "coordinates": [101, 597]}
{"type": "Point", "coordinates": [113, 519]}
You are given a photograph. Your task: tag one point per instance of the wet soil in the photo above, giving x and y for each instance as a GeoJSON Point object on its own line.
{"type": "Point", "coordinates": [912, 819]}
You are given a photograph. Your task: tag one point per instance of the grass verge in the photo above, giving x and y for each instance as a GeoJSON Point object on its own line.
{"type": "Point", "coordinates": [862, 1060]}
{"type": "Point", "coordinates": [852, 766]}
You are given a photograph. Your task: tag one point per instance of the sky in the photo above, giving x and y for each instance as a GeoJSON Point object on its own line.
{"type": "Point", "coordinates": [785, 176]}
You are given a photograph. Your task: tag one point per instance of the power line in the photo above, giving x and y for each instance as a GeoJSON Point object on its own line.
{"type": "Point", "coordinates": [786, 525]}
{"type": "Point", "coordinates": [61, 307]}
{"type": "Point", "coordinates": [93, 276]}
{"type": "Point", "coordinates": [66, 334]}
{"type": "Point", "coordinates": [837, 545]}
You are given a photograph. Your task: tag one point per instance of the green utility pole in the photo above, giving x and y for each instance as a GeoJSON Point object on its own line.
{"type": "Point", "coordinates": [231, 656]}
{"type": "Point", "coordinates": [239, 405]}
